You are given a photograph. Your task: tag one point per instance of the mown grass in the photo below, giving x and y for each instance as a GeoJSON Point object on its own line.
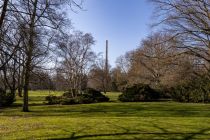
{"type": "Point", "coordinates": [111, 120]}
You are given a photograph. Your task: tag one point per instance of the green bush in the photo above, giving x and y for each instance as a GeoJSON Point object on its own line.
{"type": "Point", "coordinates": [71, 93]}
{"type": "Point", "coordinates": [68, 101]}
{"type": "Point", "coordinates": [53, 99]}
{"type": "Point", "coordinates": [95, 95]}
{"type": "Point", "coordinates": [67, 94]}
{"type": "Point", "coordinates": [6, 98]}
{"type": "Point", "coordinates": [85, 97]}
{"type": "Point", "coordinates": [139, 92]}
{"type": "Point", "coordinates": [194, 91]}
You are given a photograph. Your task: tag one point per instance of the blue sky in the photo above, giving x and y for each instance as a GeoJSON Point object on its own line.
{"type": "Point", "coordinates": [123, 22]}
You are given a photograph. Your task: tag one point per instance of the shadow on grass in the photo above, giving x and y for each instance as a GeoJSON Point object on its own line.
{"type": "Point", "coordinates": [16, 105]}
{"type": "Point", "coordinates": [163, 134]}
{"type": "Point", "coordinates": [114, 110]}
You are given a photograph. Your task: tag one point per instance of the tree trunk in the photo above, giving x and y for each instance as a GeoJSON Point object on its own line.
{"type": "Point", "coordinates": [20, 91]}
{"type": "Point", "coordinates": [3, 13]}
{"type": "Point", "coordinates": [20, 80]}
{"type": "Point", "coordinates": [29, 54]}
{"type": "Point", "coordinates": [27, 76]}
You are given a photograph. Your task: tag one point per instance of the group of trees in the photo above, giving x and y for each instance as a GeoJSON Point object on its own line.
{"type": "Point", "coordinates": [158, 63]}
{"type": "Point", "coordinates": [39, 50]}
{"type": "Point", "coordinates": [27, 33]}
{"type": "Point", "coordinates": [177, 53]}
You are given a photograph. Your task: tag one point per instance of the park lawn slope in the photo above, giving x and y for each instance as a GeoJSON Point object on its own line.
{"type": "Point", "coordinates": [111, 120]}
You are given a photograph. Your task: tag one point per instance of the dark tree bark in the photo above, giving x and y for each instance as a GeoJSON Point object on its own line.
{"type": "Point", "coordinates": [29, 57]}
{"type": "Point", "coordinates": [3, 13]}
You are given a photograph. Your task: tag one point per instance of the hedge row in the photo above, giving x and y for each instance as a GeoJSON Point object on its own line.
{"type": "Point", "coordinates": [88, 96]}
{"type": "Point", "coordinates": [139, 92]}
{"type": "Point", "coordinates": [195, 91]}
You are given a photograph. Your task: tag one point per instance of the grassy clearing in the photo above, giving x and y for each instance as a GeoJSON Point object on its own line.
{"type": "Point", "coordinates": [112, 120]}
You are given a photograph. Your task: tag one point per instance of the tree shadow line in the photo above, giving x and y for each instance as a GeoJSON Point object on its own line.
{"type": "Point", "coordinates": [108, 111]}
{"type": "Point", "coordinates": [163, 134]}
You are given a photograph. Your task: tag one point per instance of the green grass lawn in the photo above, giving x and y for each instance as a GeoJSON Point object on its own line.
{"type": "Point", "coordinates": [112, 120]}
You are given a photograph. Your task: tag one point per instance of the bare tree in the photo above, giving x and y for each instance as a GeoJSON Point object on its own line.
{"type": "Point", "coordinates": [188, 21]}
{"type": "Point", "coordinates": [120, 73]}
{"type": "Point", "coordinates": [9, 45]}
{"type": "Point", "coordinates": [38, 18]}
{"type": "Point", "coordinates": [119, 79]}
{"type": "Point", "coordinates": [9, 39]}
{"type": "Point", "coordinates": [98, 77]}
{"type": "Point", "coordinates": [76, 57]}
{"type": "Point", "coordinates": [157, 62]}
{"type": "Point", "coordinates": [27, 29]}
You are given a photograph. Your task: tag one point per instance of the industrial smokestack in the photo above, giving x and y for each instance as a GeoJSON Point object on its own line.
{"type": "Point", "coordinates": [106, 68]}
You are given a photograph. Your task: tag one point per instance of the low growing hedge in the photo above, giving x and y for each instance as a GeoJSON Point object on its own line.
{"type": "Point", "coordinates": [85, 97]}
{"type": "Point", "coordinates": [195, 91]}
{"type": "Point", "coordinates": [139, 92]}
